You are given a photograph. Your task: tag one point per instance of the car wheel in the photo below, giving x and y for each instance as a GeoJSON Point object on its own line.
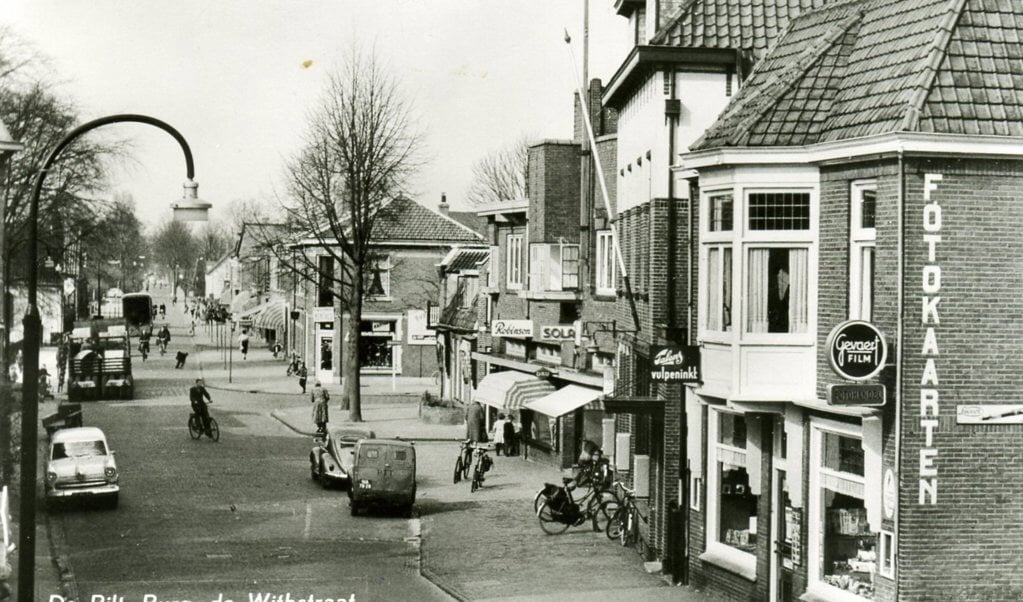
{"type": "Point", "coordinates": [112, 501]}
{"type": "Point", "coordinates": [354, 508]}
{"type": "Point", "coordinates": [312, 470]}
{"type": "Point", "coordinates": [324, 482]}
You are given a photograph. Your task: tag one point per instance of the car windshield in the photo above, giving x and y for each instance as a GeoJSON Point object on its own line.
{"type": "Point", "coordinates": [78, 449]}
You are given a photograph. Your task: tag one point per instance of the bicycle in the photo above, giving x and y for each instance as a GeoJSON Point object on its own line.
{"type": "Point", "coordinates": [482, 464]}
{"type": "Point", "coordinates": [144, 349]}
{"type": "Point", "coordinates": [195, 429]}
{"type": "Point", "coordinates": [595, 476]}
{"type": "Point", "coordinates": [624, 524]}
{"type": "Point", "coordinates": [560, 510]}
{"type": "Point", "coordinates": [464, 461]}
{"type": "Point", "coordinates": [162, 344]}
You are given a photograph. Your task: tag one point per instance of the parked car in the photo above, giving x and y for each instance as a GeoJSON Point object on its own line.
{"type": "Point", "coordinates": [80, 464]}
{"type": "Point", "coordinates": [330, 462]}
{"type": "Point", "coordinates": [384, 474]}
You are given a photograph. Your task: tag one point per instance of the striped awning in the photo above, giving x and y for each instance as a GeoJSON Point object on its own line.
{"type": "Point", "coordinates": [271, 317]}
{"type": "Point", "coordinates": [567, 399]}
{"type": "Point", "coordinates": [510, 390]}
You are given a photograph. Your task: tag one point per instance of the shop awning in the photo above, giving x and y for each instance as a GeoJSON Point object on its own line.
{"type": "Point", "coordinates": [271, 317]}
{"type": "Point", "coordinates": [510, 390]}
{"type": "Point", "coordinates": [567, 399]}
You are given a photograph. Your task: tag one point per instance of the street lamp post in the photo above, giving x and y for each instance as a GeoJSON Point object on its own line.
{"type": "Point", "coordinates": [189, 208]}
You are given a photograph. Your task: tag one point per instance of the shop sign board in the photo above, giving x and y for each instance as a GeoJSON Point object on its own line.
{"type": "Point", "coordinates": [675, 364]}
{"type": "Point", "coordinates": [323, 314]}
{"type": "Point", "coordinates": [856, 350]}
{"type": "Point", "coordinates": [561, 332]}
{"type": "Point", "coordinates": [888, 498]}
{"type": "Point", "coordinates": [522, 329]}
{"type": "Point", "coordinates": [419, 333]}
{"type": "Point", "coordinates": [542, 373]}
{"type": "Point", "coordinates": [856, 395]}
{"type": "Point", "coordinates": [990, 414]}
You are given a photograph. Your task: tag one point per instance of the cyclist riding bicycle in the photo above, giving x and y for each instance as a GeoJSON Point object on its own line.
{"type": "Point", "coordinates": [163, 338]}
{"type": "Point", "coordinates": [195, 396]}
{"type": "Point", "coordinates": [144, 345]}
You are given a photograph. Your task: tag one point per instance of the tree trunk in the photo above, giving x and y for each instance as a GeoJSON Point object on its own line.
{"type": "Point", "coordinates": [351, 366]}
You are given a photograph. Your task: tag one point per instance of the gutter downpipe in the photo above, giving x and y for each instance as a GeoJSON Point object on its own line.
{"type": "Point", "coordinates": [900, 243]}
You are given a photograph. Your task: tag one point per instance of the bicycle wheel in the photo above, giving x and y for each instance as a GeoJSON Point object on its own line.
{"type": "Point", "coordinates": [548, 523]}
{"type": "Point", "coordinates": [538, 499]}
{"type": "Point", "coordinates": [193, 427]}
{"type": "Point", "coordinates": [466, 465]}
{"type": "Point", "coordinates": [214, 429]}
{"type": "Point", "coordinates": [614, 524]}
{"type": "Point", "coordinates": [628, 535]}
{"type": "Point", "coordinates": [477, 477]}
{"type": "Point", "coordinates": [458, 469]}
{"type": "Point", "coordinates": [603, 514]}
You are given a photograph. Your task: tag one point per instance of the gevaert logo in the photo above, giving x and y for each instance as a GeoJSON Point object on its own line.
{"type": "Point", "coordinates": [856, 350]}
{"type": "Point", "coordinates": [512, 328]}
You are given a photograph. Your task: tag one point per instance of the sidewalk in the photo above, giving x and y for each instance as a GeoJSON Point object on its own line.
{"type": "Point", "coordinates": [53, 574]}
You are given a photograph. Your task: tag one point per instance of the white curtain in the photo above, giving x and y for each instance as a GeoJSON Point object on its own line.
{"type": "Point", "coordinates": [713, 290]}
{"type": "Point", "coordinates": [756, 309]}
{"type": "Point", "coordinates": [798, 281]}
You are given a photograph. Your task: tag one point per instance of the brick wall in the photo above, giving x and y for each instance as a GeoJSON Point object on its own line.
{"type": "Point", "coordinates": [553, 189]}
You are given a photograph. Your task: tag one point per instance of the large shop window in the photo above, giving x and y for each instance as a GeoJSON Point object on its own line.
{"type": "Point", "coordinates": [375, 351]}
{"type": "Point", "coordinates": [862, 240]}
{"type": "Point", "coordinates": [605, 265]}
{"type": "Point", "coordinates": [737, 505]}
{"type": "Point", "coordinates": [847, 542]}
{"type": "Point", "coordinates": [514, 267]}
{"type": "Point", "coordinates": [777, 291]}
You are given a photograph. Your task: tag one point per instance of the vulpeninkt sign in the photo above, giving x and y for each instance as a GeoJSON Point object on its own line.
{"type": "Point", "coordinates": [856, 350]}
{"type": "Point", "coordinates": [673, 364]}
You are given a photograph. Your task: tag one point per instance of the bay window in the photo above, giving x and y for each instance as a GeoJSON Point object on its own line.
{"type": "Point", "coordinates": [719, 288]}
{"type": "Point", "coordinates": [862, 237]}
{"type": "Point", "coordinates": [777, 290]}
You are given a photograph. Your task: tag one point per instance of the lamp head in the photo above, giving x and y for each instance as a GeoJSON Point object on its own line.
{"type": "Point", "coordinates": [191, 208]}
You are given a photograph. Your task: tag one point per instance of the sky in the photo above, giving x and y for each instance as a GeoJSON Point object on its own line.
{"type": "Point", "coordinates": [238, 79]}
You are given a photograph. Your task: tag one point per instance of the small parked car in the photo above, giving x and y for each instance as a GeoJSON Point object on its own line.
{"type": "Point", "coordinates": [384, 474]}
{"type": "Point", "coordinates": [330, 462]}
{"type": "Point", "coordinates": [80, 464]}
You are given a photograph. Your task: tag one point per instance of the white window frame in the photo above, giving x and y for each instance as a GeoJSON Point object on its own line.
{"type": "Point", "coordinates": [714, 317]}
{"type": "Point", "coordinates": [860, 239]}
{"type": "Point", "coordinates": [493, 265]}
{"type": "Point", "coordinates": [605, 261]}
{"type": "Point", "coordinates": [743, 562]}
{"type": "Point", "coordinates": [815, 507]}
{"type": "Point", "coordinates": [513, 269]}
{"type": "Point", "coordinates": [780, 239]}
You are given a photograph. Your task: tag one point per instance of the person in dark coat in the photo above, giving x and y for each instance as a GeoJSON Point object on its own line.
{"type": "Point", "coordinates": [511, 447]}
{"type": "Point", "coordinates": [475, 428]}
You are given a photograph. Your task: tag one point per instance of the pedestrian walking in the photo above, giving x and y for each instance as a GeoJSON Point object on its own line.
{"type": "Point", "coordinates": [497, 434]}
{"type": "Point", "coordinates": [475, 430]}
{"type": "Point", "coordinates": [509, 436]}
{"type": "Point", "coordinates": [180, 357]}
{"type": "Point", "coordinates": [302, 374]}
{"type": "Point", "coordinates": [276, 348]}
{"type": "Point", "coordinates": [320, 397]}
{"type": "Point", "coordinates": [243, 343]}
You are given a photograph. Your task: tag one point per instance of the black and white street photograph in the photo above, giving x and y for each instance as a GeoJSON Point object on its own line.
{"type": "Point", "coordinates": [554, 301]}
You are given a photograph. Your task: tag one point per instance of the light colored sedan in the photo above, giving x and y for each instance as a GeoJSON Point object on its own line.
{"type": "Point", "coordinates": [81, 465]}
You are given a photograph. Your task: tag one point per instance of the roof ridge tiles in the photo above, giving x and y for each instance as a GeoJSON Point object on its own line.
{"type": "Point", "coordinates": [931, 65]}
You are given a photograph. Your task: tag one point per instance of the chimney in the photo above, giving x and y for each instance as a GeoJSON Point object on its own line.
{"type": "Point", "coordinates": [443, 207]}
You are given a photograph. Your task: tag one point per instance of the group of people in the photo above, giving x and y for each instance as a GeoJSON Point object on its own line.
{"type": "Point", "coordinates": [505, 435]}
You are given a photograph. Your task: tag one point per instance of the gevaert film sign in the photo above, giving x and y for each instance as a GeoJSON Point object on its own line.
{"type": "Point", "coordinates": [675, 364]}
{"type": "Point", "coordinates": [515, 329]}
{"type": "Point", "coordinates": [856, 350]}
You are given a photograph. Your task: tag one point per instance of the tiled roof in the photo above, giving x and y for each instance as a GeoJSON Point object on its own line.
{"type": "Point", "coordinates": [751, 25]}
{"type": "Point", "coordinates": [868, 67]}
{"type": "Point", "coordinates": [470, 220]}
{"type": "Point", "coordinates": [404, 219]}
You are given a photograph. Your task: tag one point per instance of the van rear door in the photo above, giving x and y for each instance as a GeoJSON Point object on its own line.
{"type": "Point", "coordinates": [400, 469]}
{"type": "Point", "coordinates": [367, 468]}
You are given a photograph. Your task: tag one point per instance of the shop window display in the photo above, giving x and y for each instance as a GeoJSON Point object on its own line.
{"type": "Point", "coordinates": [737, 515]}
{"type": "Point", "coordinates": [849, 542]}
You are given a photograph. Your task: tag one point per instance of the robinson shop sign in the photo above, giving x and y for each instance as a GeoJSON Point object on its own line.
{"type": "Point", "coordinates": [856, 350]}
{"type": "Point", "coordinates": [518, 329]}
{"type": "Point", "coordinates": [673, 364]}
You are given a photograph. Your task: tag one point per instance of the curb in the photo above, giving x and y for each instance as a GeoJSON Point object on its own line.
{"type": "Point", "coordinates": [57, 540]}
{"type": "Point", "coordinates": [431, 576]}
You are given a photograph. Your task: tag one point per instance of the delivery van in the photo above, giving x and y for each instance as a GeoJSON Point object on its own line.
{"type": "Point", "coordinates": [383, 475]}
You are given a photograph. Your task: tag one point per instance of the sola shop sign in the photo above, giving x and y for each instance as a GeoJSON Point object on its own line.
{"type": "Point", "coordinates": [856, 350]}
{"type": "Point", "coordinates": [673, 364]}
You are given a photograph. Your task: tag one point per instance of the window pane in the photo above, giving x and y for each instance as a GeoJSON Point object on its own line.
{"type": "Point", "coordinates": [737, 523]}
{"type": "Point", "coordinates": [843, 454]}
{"type": "Point", "coordinates": [324, 294]}
{"type": "Point", "coordinates": [868, 208]}
{"type": "Point", "coordinates": [713, 290]}
{"type": "Point", "coordinates": [866, 283]}
{"type": "Point", "coordinates": [779, 211]}
{"type": "Point", "coordinates": [777, 295]}
{"type": "Point", "coordinates": [726, 289]}
{"type": "Point", "coordinates": [850, 557]}
{"type": "Point", "coordinates": [721, 213]}
{"type": "Point", "coordinates": [570, 267]}
{"type": "Point", "coordinates": [732, 429]}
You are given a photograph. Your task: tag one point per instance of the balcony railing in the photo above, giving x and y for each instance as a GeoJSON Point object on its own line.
{"type": "Point", "coordinates": [553, 267]}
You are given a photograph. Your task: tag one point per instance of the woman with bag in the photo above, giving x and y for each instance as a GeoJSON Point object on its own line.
{"type": "Point", "coordinates": [320, 397]}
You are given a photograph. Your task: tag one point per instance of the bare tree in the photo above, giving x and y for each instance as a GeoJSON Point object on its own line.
{"type": "Point", "coordinates": [500, 175]}
{"type": "Point", "coordinates": [359, 153]}
{"type": "Point", "coordinates": [176, 249]}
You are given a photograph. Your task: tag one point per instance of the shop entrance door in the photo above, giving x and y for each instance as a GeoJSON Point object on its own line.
{"type": "Point", "coordinates": [785, 533]}
{"type": "Point", "coordinates": [325, 358]}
